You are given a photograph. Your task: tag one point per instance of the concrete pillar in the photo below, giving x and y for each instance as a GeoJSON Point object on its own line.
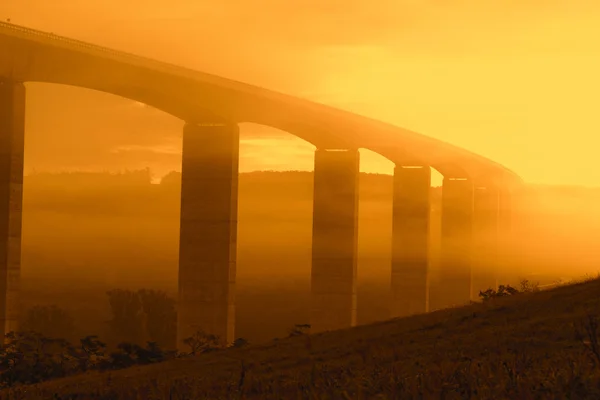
{"type": "Point", "coordinates": [456, 244]}
{"type": "Point", "coordinates": [12, 134]}
{"type": "Point", "coordinates": [485, 240]}
{"type": "Point", "coordinates": [335, 240]}
{"type": "Point", "coordinates": [410, 240]}
{"type": "Point", "coordinates": [208, 231]}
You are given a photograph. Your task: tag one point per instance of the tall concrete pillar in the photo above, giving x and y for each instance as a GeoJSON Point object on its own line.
{"type": "Point", "coordinates": [456, 244]}
{"type": "Point", "coordinates": [485, 239]}
{"type": "Point", "coordinates": [335, 240]}
{"type": "Point", "coordinates": [208, 231]}
{"type": "Point", "coordinates": [410, 240]}
{"type": "Point", "coordinates": [12, 134]}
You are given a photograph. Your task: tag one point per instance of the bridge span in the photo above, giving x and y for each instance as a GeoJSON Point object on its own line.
{"type": "Point", "coordinates": [476, 192]}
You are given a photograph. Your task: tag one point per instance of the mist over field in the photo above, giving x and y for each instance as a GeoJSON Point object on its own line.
{"type": "Point", "coordinates": [86, 233]}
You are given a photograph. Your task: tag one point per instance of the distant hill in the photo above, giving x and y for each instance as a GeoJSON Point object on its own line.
{"type": "Point", "coordinates": [133, 192]}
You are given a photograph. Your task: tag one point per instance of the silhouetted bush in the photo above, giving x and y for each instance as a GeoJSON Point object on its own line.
{"type": "Point", "coordinates": [503, 291]}
{"type": "Point", "coordinates": [92, 352]}
{"type": "Point", "coordinates": [529, 287]}
{"type": "Point", "coordinates": [506, 290]}
{"type": "Point", "coordinates": [240, 342]}
{"type": "Point", "coordinates": [299, 329]}
{"type": "Point", "coordinates": [202, 342]}
{"type": "Point", "coordinates": [30, 357]}
{"type": "Point", "coordinates": [161, 317]}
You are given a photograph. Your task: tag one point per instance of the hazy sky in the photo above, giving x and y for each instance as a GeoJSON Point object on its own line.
{"type": "Point", "coordinates": [514, 80]}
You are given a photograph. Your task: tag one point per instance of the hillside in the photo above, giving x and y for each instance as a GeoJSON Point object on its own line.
{"type": "Point", "coordinates": [521, 347]}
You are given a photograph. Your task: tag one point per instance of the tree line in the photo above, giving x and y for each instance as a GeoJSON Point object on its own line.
{"type": "Point", "coordinates": [143, 323]}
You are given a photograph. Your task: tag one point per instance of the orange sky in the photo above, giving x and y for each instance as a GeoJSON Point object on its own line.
{"type": "Point", "coordinates": [516, 80]}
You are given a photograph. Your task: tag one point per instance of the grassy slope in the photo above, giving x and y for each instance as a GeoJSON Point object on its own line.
{"type": "Point", "coordinates": [470, 348]}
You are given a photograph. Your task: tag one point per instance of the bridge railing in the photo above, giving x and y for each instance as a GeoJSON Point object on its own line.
{"type": "Point", "coordinates": [141, 61]}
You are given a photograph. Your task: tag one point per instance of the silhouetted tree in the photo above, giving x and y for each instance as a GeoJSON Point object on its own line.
{"type": "Point", "coordinates": [145, 315]}
{"type": "Point", "coordinates": [161, 317]}
{"type": "Point", "coordinates": [128, 322]}
{"type": "Point", "coordinates": [49, 321]}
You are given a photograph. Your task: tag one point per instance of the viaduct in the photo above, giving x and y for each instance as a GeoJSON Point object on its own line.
{"type": "Point", "coordinates": [477, 193]}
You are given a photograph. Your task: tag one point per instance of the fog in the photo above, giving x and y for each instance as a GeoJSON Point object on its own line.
{"type": "Point", "coordinates": [85, 233]}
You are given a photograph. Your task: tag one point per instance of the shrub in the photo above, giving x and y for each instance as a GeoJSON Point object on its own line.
{"type": "Point", "coordinates": [503, 291]}
{"type": "Point", "coordinates": [529, 287]}
{"type": "Point", "coordinates": [299, 329]}
{"type": "Point", "coordinates": [92, 352]}
{"type": "Point", "coordinates": [202, 342]}
{"type": "Point", "coordinates": [30, 357]}
{"type": "Point", "coordinates": [240, 342]}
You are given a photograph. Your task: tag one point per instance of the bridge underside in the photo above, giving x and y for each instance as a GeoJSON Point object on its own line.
{"type": "Point", "coordinates": [473, 219]}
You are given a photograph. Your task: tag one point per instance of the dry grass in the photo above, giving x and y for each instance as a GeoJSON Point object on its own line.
{"type": "Point", "coordinates": [524, 347]}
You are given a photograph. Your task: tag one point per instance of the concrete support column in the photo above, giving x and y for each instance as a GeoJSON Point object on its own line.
{"type": "Point", "coordinates": [335, 240]}
{"type": "Point", "coordinates": [12, 134]}
{"type": "Point", "coordinates": [456, 243]}
{"type": "Point", "coordinates": [208, 231]}
{"type": "Point", "coordinates": [410, 240]}
{"type": "Point", "coordinates": [485, 239]}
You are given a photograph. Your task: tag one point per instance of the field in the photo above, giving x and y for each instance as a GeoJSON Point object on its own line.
{"type": "Point", "coordinates": [521, 347]}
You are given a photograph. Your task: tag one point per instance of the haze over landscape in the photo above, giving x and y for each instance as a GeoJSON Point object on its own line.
{"type": "Point", "coordinates": [515, 82]}
{"type": "Point", "coordinates": [512, 81]}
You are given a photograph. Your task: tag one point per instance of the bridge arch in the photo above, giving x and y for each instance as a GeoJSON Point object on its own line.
{"type": "Point", "coordinates": [38, 56]}
{"type": "Point", "coordinates": [199, 99]}
{"type": "Point", "coordinates": [191, 110]}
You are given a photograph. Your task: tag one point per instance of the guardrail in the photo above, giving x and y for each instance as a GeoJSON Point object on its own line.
{"type": "Point", "coordinates": [141, 61]}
